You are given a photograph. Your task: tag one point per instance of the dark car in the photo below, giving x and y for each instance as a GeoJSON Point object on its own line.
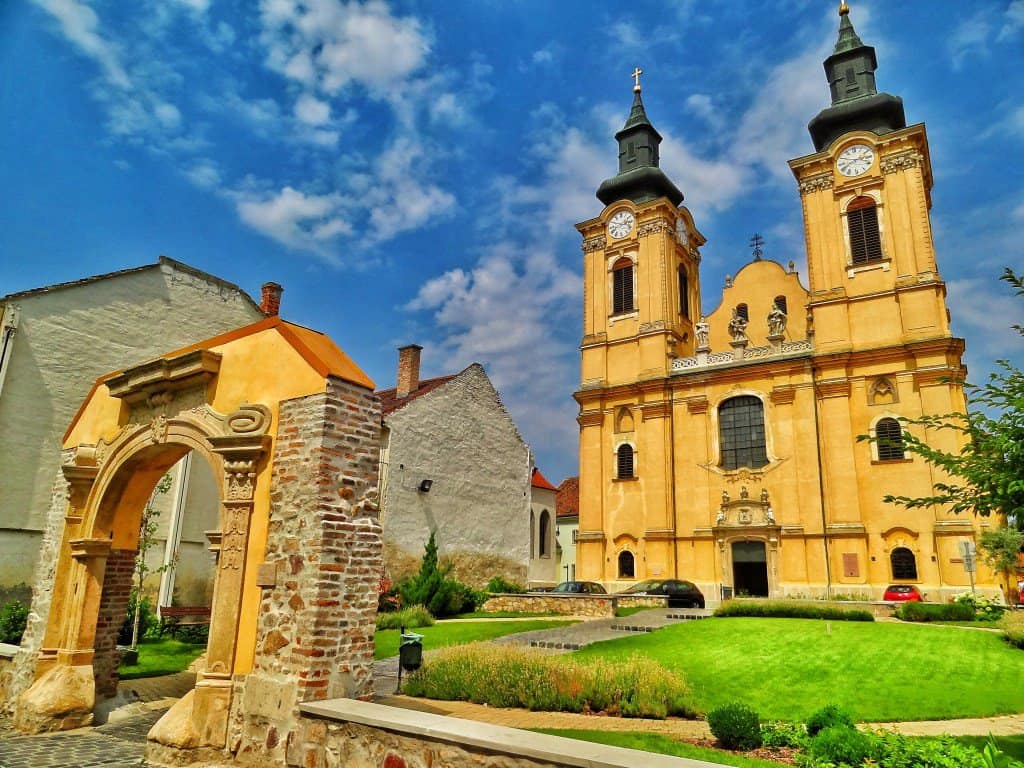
{"type": "Point", "coordinates": [904, 593]}
{"type": "Point", "coordinates": [681, 594]}
{"type": "Point", "coordinates": [580, 588]}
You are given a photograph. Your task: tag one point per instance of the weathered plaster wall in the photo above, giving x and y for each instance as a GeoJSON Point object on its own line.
{"type": "Point", "coordinates": [461, 437]}
{"type": "Point", "coordinates": [544, 551]}
{"type": "Point", "coordinates": [317, 613]}
{"type": "Point", "coordinates": [66, 339]}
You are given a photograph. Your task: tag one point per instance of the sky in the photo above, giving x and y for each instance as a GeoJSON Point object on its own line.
{"type": "Point", "coordinates": [411, 172]}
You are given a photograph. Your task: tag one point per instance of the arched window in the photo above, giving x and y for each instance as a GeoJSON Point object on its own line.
{"type": "Point", "coordinates": [741, 432]}
{"type": "Point", "coordinates": [624, 462]}
{"type": "Point", "coordinates": [780, 303]}
{"type": "Point", "coordinates": [889, 435]}
{"type": "Point", "coordinates": [862, 224]}
{"type": "Point", "coordinates": [627, 565]}
{"type": "Point", "coordinates": [533, 535]}
{"type": "Point", "coordinates": [544, 534]}
{"type": "Point", "coordinates": [622, 286]}
{"type": "Point", "coordinates": [684, 292]}
{"type": "Point", "coordinates": [904, 565]}
{"type": "Point", "coordinates": [742, 311]}
{"type": "Point", "coordinates": [624, 420]}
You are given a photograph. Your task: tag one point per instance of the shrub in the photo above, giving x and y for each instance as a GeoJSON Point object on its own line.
{"type": "Point", "coordinates": [13, 620]}
{"type": "Point", "coordinates": [984, 608]}
{"type": "Point", "coordinates": [411, 617]}
{"type": "Point", "coordinates": [506, 676]}
{"type": "Point", "coordinates": [196, 634]}
{"type": "Point", "coordinates": [736, 726]}
{"type": "Point", "coordinates": [896, 751]}
{"type": "Point", "coordinates": [935, 612]}
{"type": "Point", "coordinates": [781, 609]}
{"type": "Point", "coordinates": [828, 716]}
{"type": "Point", "coordinates": [149, 624]}
{"type": "Point", "coordinates": [1012, 625]}
{"type": "Point", "coordinates": [780, 733]}
{"type": "Point", "coordinates": [842, 745]}
{"type": "Point", "coordinates": [498, 585]}
{"type": "Point", "coordinates": [431, 587]}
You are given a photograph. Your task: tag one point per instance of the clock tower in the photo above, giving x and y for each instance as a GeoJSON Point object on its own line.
{"type": "Point", "coordinates": [641, 305]}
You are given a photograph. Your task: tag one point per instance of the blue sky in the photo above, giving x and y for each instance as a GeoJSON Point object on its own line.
{"type": "Point", "coordinates": [411, 171]}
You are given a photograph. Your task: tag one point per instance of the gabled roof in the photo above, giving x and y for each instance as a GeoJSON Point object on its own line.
{"type": "Point", "coordinates": [389, 402]}
{"type": "Point", "coordinates": [161, 261]}
{"type": "Point", "coordinates": [317, 349]}
{"type": "Point", "coordinates": [539, 481]}
{"type": "Point", "coordinates": [567, 502]}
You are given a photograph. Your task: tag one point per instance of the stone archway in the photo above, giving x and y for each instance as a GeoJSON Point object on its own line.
{"type": "Point", "coordinates": [297, 547]}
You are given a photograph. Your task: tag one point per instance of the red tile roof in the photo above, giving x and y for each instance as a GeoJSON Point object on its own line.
{"type": "Point", "coordinates": [389, 403]}
{"type": "Point", "coordinates": [539, 481]}
{"type": "Point", "coordinates": [567, 502]}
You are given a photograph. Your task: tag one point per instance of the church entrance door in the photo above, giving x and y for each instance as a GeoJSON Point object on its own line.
{"type": "Point", "coordinates": [750, 568]}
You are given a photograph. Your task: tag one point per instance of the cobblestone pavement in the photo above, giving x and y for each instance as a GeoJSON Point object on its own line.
{"type": "Point", "coordinates": [116, 744]}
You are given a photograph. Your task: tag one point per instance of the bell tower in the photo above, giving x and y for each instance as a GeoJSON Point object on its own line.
{"type": "Point", "coordinates": [866, 195]}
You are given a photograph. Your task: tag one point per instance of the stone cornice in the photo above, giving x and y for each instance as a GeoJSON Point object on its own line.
{"type": "Point", "coordinates": [590, 418]}
{"type": "Point", "coordinates": [660, 410]}
{"type": "Point", "coordinates": [155, 377]}
{"type": "Point", "coordinates": [834, 388]}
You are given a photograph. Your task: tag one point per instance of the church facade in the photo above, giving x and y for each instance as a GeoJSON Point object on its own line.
{"type": "Point", "coordinates": [723, 448]}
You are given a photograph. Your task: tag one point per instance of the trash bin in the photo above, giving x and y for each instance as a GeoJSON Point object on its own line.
{"type": "Point", "coordinates": [410, 651]}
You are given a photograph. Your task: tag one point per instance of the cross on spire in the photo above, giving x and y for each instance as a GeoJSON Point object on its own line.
{"type": "Point", "coordinates": [636, 78]}
{"type": "Point", "coordinates": [756, 242]}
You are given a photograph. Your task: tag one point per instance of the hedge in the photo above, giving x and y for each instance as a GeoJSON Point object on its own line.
{"type": "Point", "coordinates": [785, 609]}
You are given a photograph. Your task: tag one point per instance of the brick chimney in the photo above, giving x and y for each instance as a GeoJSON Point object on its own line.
{"type": "Point", "coordinates": [408, 369]}
{"type": "Point", "coordinates": [270, 299]}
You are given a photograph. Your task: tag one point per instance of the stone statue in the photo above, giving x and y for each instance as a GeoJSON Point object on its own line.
{"type": "Point", "coordinates": [744, 493]}
{"type": "Point", "coordinates": [725, 497]}
{"type": "Point", "coordinates": [764, 495]}
{"type": "Point", "coordinates": [776, 322]}
{"type": "Point", "coordinates": [703, 333]}
{"type": "Point", "coordinates": [737, 327]}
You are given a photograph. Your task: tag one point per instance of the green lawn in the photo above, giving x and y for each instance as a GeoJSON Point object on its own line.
{"type": "Point", "coordinates": [161, 657]}
{"type": "Point", "coordinates": [448, 633]}
{"type": "Point", "coordinates": [661, 745]}
{"type": "Point", "coordinates": [879, 671]}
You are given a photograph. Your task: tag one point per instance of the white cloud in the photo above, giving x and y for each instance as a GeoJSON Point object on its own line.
{"type": "Point", "coordinates": [969, 38]}
{"type": "Point", "coordinates": [198, 6]}
{"type": "Point", "coordinates": [983, 309]}
{"type": "Point", "coordinates": [311, 111]}
{"type": "Point", "coordinates": [1013, 22]}
{"type": "Point", "coordinates": [80, 25]}
{"type": "Point", "coordinates": [295, 219]}
{"type": "Point", "coordinates": [204, 174]}
{"type": "Point", "coordinates": [333, 43]}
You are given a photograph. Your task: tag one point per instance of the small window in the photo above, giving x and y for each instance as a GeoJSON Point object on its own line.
{"type": "Point", "coordinates": [741, 433]}
{"type": "Point", "coordinates": [904, 564]}
{"type": "Point", "coordinates": [889, 437]}
{"type": "Point", "coordinates": [622, 287]}
{"type": "Point", "coordinates": [781, 305]}
{"type": "Point", "coordinates": [627, 569]}
{"type": "Point", "coordinates": [742, 311]}
{"type": "Point", "coordinates": [624, 462]}
{"type": "Point", "coordinates": [684, 293]}
{"type": "Point", "coordinates": [575, 535]}
{"type": "Point", "coordinates": [862, 223]}
{"type": "Point", "coordinates": [544, 534]}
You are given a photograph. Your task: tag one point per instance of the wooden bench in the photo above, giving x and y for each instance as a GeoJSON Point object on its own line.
{"type": "Point", "coordinates": [175, 616]}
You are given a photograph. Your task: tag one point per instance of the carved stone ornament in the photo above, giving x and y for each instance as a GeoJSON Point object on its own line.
{"type": "Point", "coordinates": [777, 320]}
{"type": "Point", "coordinates": [702, 330]}
{"type": "Point", "coordinates": [595, 243]}
{"type": "Point", "coordinates": [900, 162]}
{"type": "Point", "coordinates": [738, 328]}
{"type": "Point", "coordinates": [816, 183]}
{"type": "Point", "coordinates": [653, 227]}
{"type": "Point", "coordinates": [744, 512]}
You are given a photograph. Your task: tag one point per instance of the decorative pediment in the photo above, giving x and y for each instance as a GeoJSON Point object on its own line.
{"type": "Point", "coordinates": [745, 512]}
{"type": "Point", "coordinates": [154, 378]}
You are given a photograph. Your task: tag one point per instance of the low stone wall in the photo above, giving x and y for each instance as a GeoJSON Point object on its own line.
{"type": "Point", "coordinates": [358, 734]}
{"type": "Point", "coordinates": [7, 654]}
{"type": "Point", "coordinates": [589, 606]}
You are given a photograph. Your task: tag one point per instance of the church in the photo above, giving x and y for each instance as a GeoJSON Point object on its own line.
{"type": "Point", "coordinates": [721, 446]}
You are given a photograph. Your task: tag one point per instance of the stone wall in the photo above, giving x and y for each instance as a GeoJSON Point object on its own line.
{"type": "Point", "coordinates": [356, 734]}
{"type": "Point", "coordinates": [117, 587]}
{"type": "Point", "coordinates": [460, 437]}
{"type": "Point", "coordinates": [317, 619]}
{"type": "Point", "coordinates": [591, 606]}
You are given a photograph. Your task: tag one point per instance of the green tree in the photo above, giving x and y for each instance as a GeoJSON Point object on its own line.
{"type": "Point", "coordinates": [1000, 548]}
{"type": "Point", "coordinates": [987, 475]}
{"type": "Point", "coordinates": [147, 540]}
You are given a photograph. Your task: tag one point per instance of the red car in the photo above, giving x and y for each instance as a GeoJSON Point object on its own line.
{"type": "Point", "coordinates": [902, 593]}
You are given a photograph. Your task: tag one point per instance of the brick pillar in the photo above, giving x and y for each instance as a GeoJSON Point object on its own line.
{"type": "Point", "coordinates": [408, 369]}
{"type": "Point", "coordinates": [270, 299]}
{"type": "Point", "coordinates": [117, 586]}
{"type": "Point", "coordinates": [316, 623]}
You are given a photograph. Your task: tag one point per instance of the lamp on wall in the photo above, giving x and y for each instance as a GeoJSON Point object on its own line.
{"type": "Point", "coordinates": [425, 486]}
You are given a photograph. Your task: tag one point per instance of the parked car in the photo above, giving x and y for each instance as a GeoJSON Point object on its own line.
{"type": "Point", "coordinates": [681, 594]}
{"type": "Point", "coordinates": [580, 588]}
{"type": "Point", "coordinates": [902, 593]}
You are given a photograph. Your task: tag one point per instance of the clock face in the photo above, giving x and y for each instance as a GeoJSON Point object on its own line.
{"type": "Point", "coordinates": [855, 160]}
{"type": "Point", "coordinates": [621, 224]}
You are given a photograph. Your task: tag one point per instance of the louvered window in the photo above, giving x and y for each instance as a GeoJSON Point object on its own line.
{"type": "Point", "coordinates": [741, 433]}
{"type": "Point", "coordinates": [889, 434]}
{"type": "Point", "coordinates": [904, 564]}
{"type": "Point", "coordinates": [865, 239]}
{"type": "Point", "coordinates": [781, 304]}
{"type": "Point", "coordinates": [622, 287]}
{"type": "Point", "coordinates": [624, 462]}
{"type": "Point", "coordinates": [742, 311]}
{"type": "Point", "coordinates": [684, 293]}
